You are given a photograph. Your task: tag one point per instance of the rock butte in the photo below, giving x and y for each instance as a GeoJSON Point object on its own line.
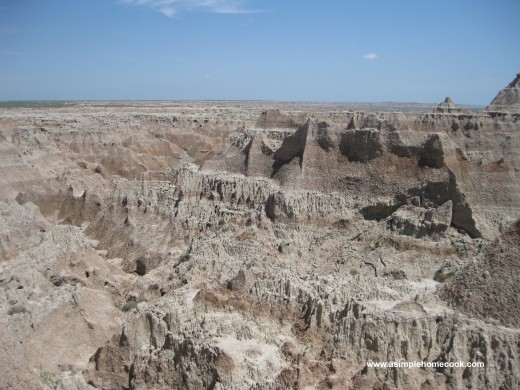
{"type": "Point", "coordinates": [173, 245]}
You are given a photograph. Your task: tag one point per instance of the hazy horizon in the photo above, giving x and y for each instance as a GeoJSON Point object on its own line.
{"type": "Point", "coordinates": [236, 100]}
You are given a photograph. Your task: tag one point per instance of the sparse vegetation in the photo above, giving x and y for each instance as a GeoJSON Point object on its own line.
{"type": "Point", "coordinates": [376, 244]}
{"type": "Point", "coordinates": [398, 275]}
{"type": "Point", "coordinates": [184, 257]}
{"type": "Point", "coordinates": [442, 277]}
{"type": "Point", "coordinates": [17, 309]}
{"type": "Point", "coordinates": [354, 272]}
{"type": "Point", "coordinates": [49, 379]}
{"type": "Point", "coordinates": [129, 305]}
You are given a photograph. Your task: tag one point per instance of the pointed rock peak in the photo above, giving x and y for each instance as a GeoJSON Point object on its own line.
{"type": "Point", "coordinates": [352, 124]}
{"type": "Point", "coordinates": [508, 99]}
{"type": "Point", "coordinates": [447, 107]}
{"type": "Point", "coordinates": [308, 129]}
{"type": "Point", "coordinates": [309, 121]}
{"type": "Point", "coordinates": [516, 81]}
{"type": "Point", "coordinates": [259, 143]}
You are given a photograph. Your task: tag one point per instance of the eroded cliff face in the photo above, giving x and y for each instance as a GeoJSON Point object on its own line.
{"type": "Point", "coordinates": [254, 248]}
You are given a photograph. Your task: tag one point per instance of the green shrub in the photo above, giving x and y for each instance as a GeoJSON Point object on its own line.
{"type": "Point", "coordinates": [16, 309]}
{"type": "Point", "coordinates": [376, 244]}
{"type": "Point", "coordinates": [130, 305]}
{"type": "Point", "coordinates": [49, 379]}
{"type": "Point", "coordinates": [354, 272]}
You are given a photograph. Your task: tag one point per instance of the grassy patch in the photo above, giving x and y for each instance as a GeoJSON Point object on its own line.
{"type": "Point", "coordinates": [16, 309]}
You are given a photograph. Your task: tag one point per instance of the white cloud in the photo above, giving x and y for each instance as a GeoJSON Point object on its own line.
{"type": "Point", "coordinates": [370, 56]}
{"type": "Point", "coordinates": [167, 11]}
{"type": "Point", "coordinates": [171, 7]}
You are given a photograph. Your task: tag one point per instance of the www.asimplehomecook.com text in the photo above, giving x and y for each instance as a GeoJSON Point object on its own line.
{"type": "Point", "coordinates": [422, 364]}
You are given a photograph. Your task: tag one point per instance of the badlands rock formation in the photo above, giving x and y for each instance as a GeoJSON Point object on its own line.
{"type": "Point", "coordinates": [448, 107]}
{"type": "Point", "coordinates": [508, 99]}
{"type": "Point", "coordinates": [241, 246]}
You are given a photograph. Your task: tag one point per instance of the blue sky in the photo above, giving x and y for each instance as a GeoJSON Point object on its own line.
{"type": "Point", "coordinates": [371, 50]}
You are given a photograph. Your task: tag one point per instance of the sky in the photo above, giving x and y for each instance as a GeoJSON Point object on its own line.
{"type": "Point", "coordinates": [335, 51]}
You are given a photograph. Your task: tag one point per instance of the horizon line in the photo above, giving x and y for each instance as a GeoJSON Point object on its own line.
{"type": "Point", "coordinates": [238, 100]}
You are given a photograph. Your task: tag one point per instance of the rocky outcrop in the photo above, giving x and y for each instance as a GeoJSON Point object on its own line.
{"type": "Point", "coordinates": [156, 349]}
{"type": "Point", "coordinates": [59, 294]}
{"type": "Point", "coordinates": [447, 107]}
{"type": "Point", "coordinates": [157, 346]}
{"type": "Point", "coordinates": [361, 145]}
{"type": "Point", "coordinates": [361, 161]}
{"type": "Point", "coordinates": [508, 99]}
{"type": "Point", "coordinates": [488, 287]}
{"type": "Point", "coordinates": [418, 222]}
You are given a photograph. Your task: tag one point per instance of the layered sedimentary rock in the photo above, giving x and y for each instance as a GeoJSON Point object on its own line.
{"type": "Point", "coordinates": [233, 247]}
{"type": "Point", "coordinates": [447, 107]}
{"type": "Point", "coordinates": [508, 99]}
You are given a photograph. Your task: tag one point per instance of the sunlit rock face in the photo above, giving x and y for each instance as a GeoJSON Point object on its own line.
{"type": "Point", "coordinates": [508, 99]}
